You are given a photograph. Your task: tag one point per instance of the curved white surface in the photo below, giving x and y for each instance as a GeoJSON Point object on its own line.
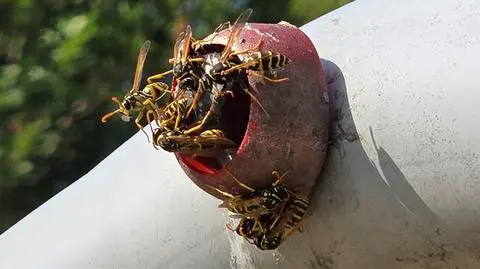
{"type": "Point", "coordinates": [405, 194]}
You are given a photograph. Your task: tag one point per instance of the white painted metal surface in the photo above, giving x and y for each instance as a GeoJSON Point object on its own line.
{"type": "Point", "coordinates": [405, 194]}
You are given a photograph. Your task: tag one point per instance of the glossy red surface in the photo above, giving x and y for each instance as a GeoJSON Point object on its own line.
{"type": "Point", "coordinates": [294, 137]}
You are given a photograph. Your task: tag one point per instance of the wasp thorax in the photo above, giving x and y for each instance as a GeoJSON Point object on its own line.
{"type": "Point", "coordinates": [217, 69]}
{"type": "Point", "coordinates": [147, 90]}
{"type": "Point", "coordinates": [178, 69]}
{"type": "Point", "coordinates": [187, 83]}
{"type": "Point", "coordinates": [213, 66]}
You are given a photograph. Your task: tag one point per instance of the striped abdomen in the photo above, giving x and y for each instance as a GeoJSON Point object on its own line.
{"type": "Point", "coordinates": [296, 212]}
{"type": "Point", "coordinates": [266, 60]}
{"type": "Point", "coordinates": [247, 207]}
{"type": "Point", "coordinates": [170, 113]}
{"type": "Point", "coordinates": [154, 91]}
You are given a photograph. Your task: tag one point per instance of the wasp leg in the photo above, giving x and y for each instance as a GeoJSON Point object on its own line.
{"type": "Point", "coordinates": [239, 182]}
{"type": "Point", "coordinates": [226, 194]}
{"type": "Point", "coordinates": [179, 116]}
{"type": "Point", "coordinates": [137, 122]}
{"type": "Point", "coordinates": [160, 87]}
{"type": "Point", "coordinates": [245, 89]}
{"type": "Point", "coordinates": [149, 121]}
{"type": "Point", "coordinates": [191, 60]}
{"type": "Point", "coordinates": [154, 109]}
{"type": "Point", "coordinates": [279, 177]}
{"type": "Point", "coordinates": [151, 128]}
{"type": "Point", "coordinates": [158, 76]}
{"type": "Point", "coordinates": [198, 94]}
{"type": "Point", "coordinates": [213, 107]}
{"type": "Point", "coordinates": [194, 60]}
{"type": "Point", "coordinates": [256, 74]}
{"type": "Point", "coordinates": [238, 66]}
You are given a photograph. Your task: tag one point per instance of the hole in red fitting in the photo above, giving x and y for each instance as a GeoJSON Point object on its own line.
{"type": "Point", "coordinates": [235, 115]}
{"type": "Point", "coordinates": [234, 121]}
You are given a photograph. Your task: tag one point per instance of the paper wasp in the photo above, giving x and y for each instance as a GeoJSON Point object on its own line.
{"type": "Point", "coordinates": [283, 225]}
{"type": "Point", "coordinates": [141, 102]}
{"type": "Point", "coordinates": [248, 228]}
{"type": "Point", "coordinates": [209, 143]}
{"type": "Point", "coordinates": [270, 230]}
{"type": "Point", "coordinates": [182, 61]}
{"type": "Point", "coordinates": [292, 217]}
{"type": "Point", "coordinates": [269, 216]}
{"type": "Point", "coordinates": [228, 67]}
{"type": "Point", "coordinates": [257, 202]}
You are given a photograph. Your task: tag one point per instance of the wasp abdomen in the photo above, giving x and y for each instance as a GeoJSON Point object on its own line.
{"type": "Point", "coordinates": [267, 60]}
{"type": "Point", "coordinates": [298, 207]}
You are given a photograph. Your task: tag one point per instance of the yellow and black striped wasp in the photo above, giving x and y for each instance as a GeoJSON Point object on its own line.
{"type": "Point", "coordinates": [209, 143]}
{"type": "Point", "coordinates": [268, 216]}
{"type": "Point", "coordinates": [230, 68]}
{"type": "Point", "coordinates": [142, 102]}
{"type": "Point", "coordinates": [282, 225]}
{"type": "Point", "coordinates": [257, 202]}
{"type": "Point", "coordinates": [251, 228]}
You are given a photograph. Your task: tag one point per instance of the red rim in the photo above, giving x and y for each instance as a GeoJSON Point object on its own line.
{"type": "Point", "coordinates": [193, 164]}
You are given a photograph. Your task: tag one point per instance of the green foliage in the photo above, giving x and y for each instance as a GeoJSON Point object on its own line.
{"type": "Point", "coordinates": [60, 63]}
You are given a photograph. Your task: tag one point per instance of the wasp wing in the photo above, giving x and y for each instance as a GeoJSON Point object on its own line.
{"type": "Point", "coordinates": [142, 55]}
{"type": "Point", "coordinates": [186, 43]}
{"type": "Point", "coordinates": [176, 47]}
{"type": "Point", "coordinates": [236, 29]}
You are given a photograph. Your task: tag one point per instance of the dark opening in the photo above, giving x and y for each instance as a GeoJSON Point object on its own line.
{"type": "Point", "coordinates": [233, 121]}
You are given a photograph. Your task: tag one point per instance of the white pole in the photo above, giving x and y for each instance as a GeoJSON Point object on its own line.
{"type": "Point", "coordinates": [405, 194]}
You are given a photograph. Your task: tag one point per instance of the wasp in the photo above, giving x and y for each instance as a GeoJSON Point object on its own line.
{"type": "Point", "coordinates": [283, 225]}
{"type": "Point", "coordinates": [248, 228]}
{"type": "Point", "coordinates": [209, 143]}
{"type": "Point", "coordinates": [228, 67]}
{"type": "Point", "coordinates": [187, 68]}
{"type": "Point", "coordinates": [174, 113]}
{"type": "Point", "coordinates": [260, 61]}
{"type": "Point", "coordinates": [141, 102]}
{"type": "Point", "coordinates": [181, 61]}
{"type": "Point", "coordinates": [257, 202]}
{"type": "Point", "coordinates": [266, 242]}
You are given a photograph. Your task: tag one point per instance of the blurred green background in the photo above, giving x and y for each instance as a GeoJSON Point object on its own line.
{"type": "Point", "coordinates": [61, 61]}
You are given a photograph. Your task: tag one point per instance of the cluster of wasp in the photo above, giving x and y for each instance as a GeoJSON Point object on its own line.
{"type": "Point", "coordinates": [268, 216]}
{"type": "Point", "coordinates": [204, 75]}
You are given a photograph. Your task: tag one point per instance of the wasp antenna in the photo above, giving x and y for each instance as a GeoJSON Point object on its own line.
{"type": "Point", "coordinates": [108, 115]}
{"type": "Point", "coordinates": [238, 181]}
{"type": "Point", "coordinates": [221, 192]}
{"type": "Point", "coordinates": [116, 100]}
{"type": "Point", "coordinates": [279, 177]}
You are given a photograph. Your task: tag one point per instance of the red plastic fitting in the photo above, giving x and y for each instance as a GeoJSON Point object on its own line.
{"type": "Point", "coordinates": [294, 137]}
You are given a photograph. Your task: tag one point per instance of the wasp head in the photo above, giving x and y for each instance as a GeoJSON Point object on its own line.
{"type": "Point", "coordinates": [266, 242]}
{"type": "Point", "coordinates": [125, 108]}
